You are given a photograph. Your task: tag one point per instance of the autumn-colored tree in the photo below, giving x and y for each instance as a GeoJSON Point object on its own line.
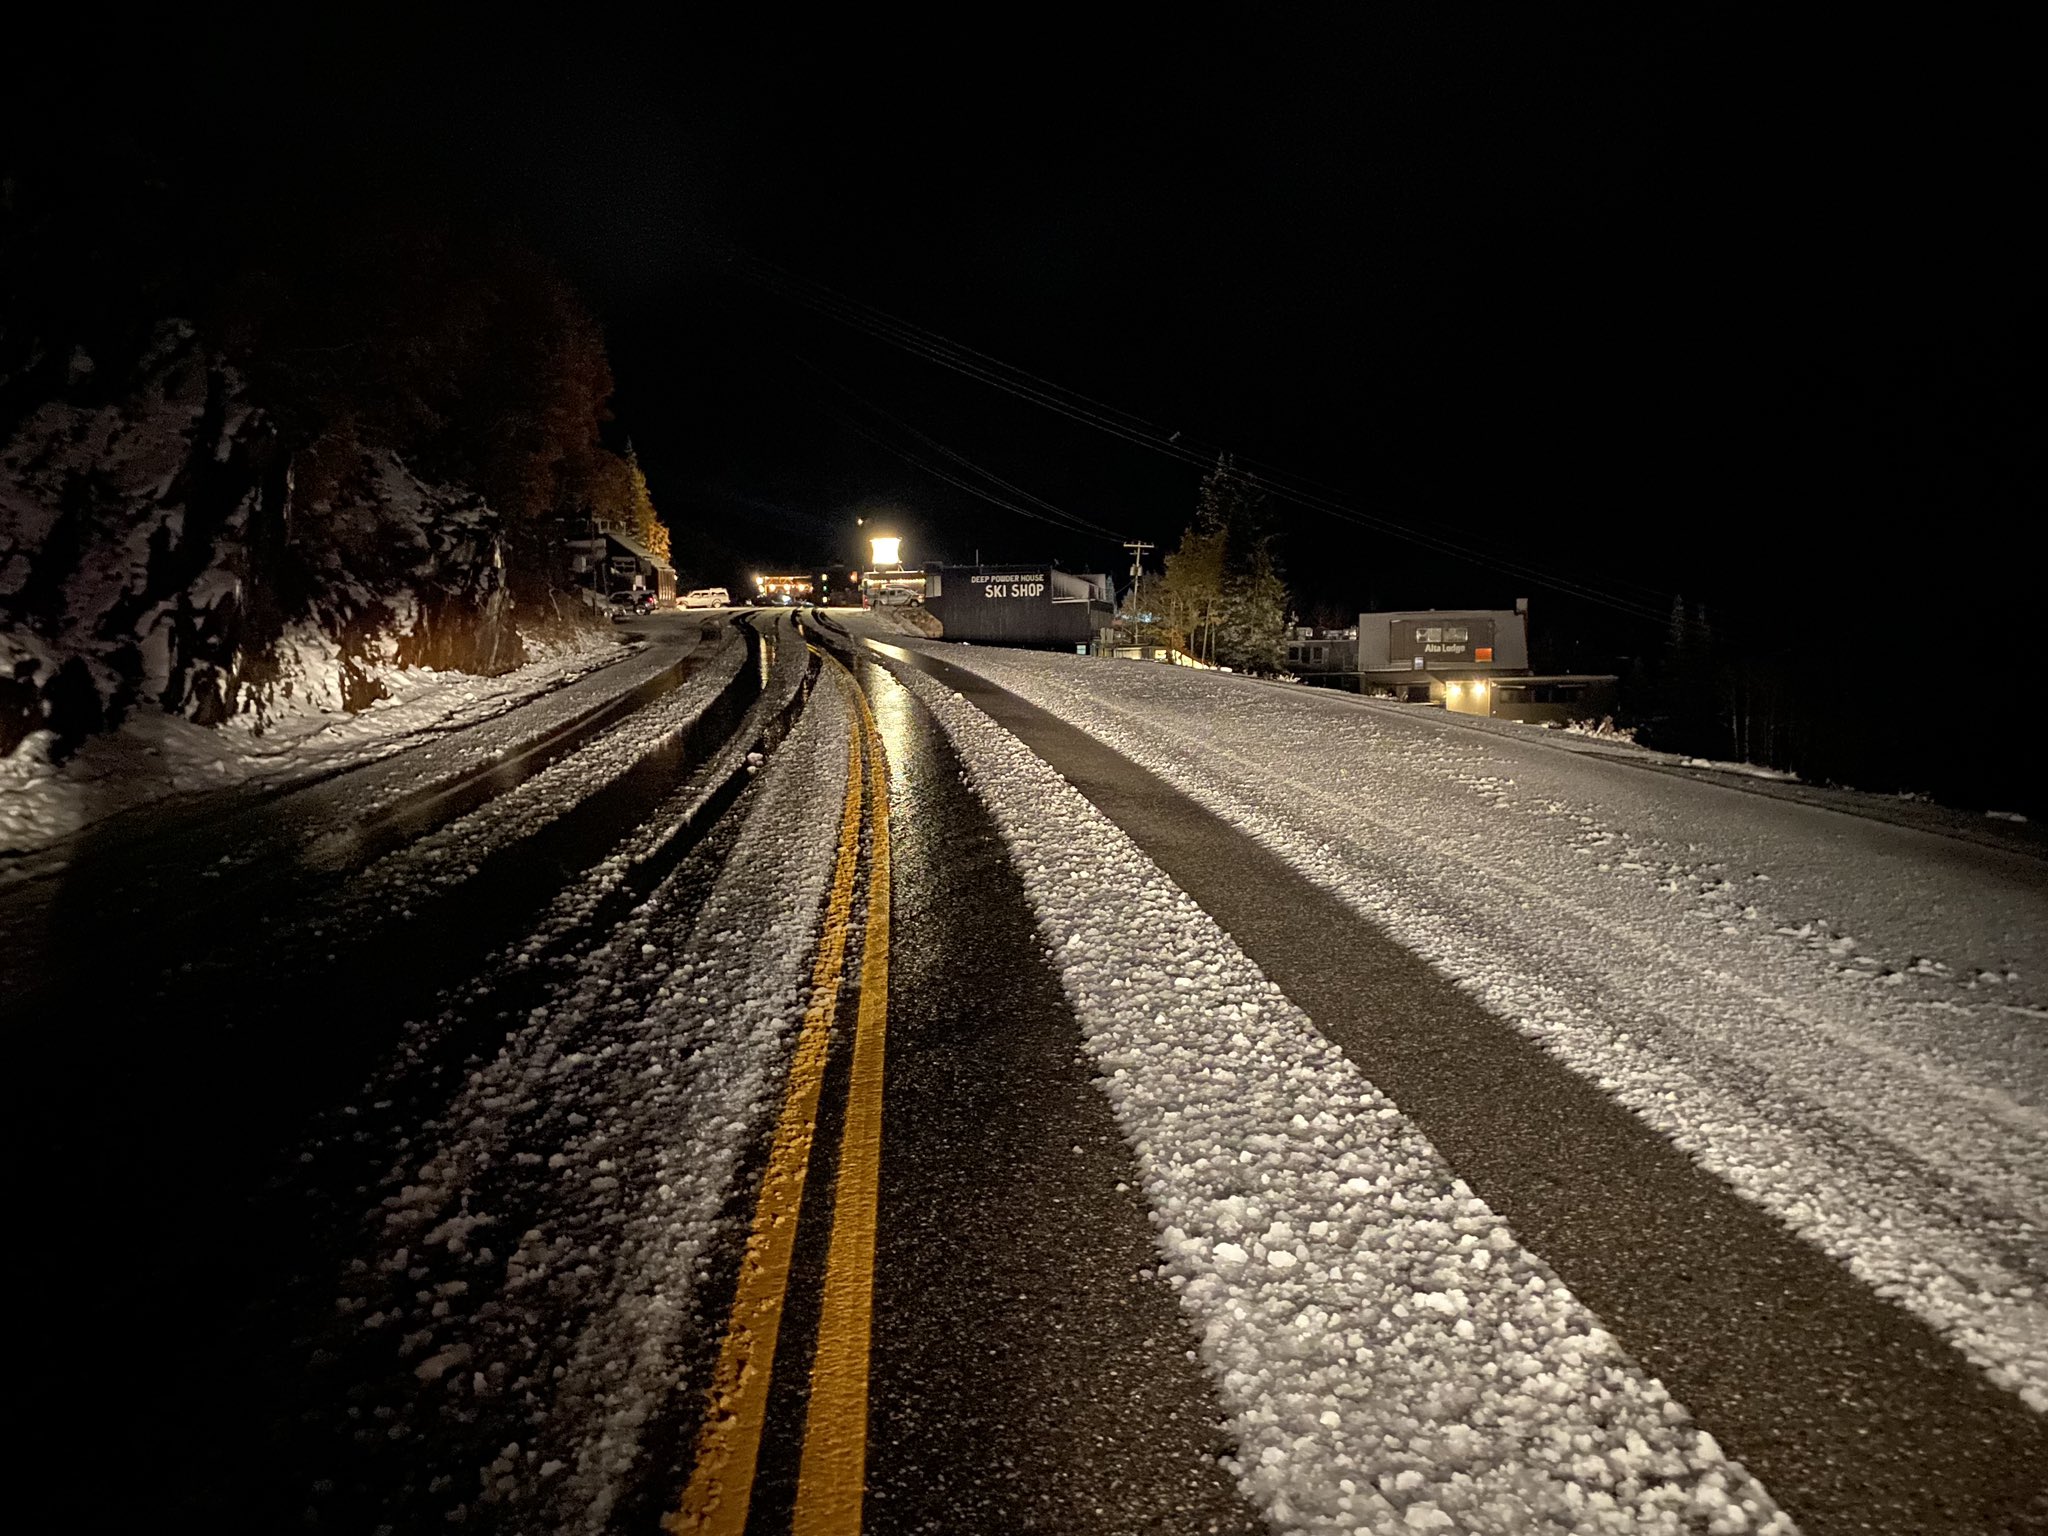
{"type": "Point", "coordinates": [645, 521]}
{"type": "Point", "coordinates": [468, 356]}
{"type": "Point", "coordinates": [619, 498]}
{"type": "Point", "coordinates": [1194, 589]}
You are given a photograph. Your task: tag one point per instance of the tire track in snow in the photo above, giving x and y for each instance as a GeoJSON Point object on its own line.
{"type": "Point", "coordinates": [1391, 1358]}
{"type": "Point", "coordinates": [448, 856]}
{"type": "Point", "coordinates": [1864, 1164]}
{"type": "Point", "coordinates": [634, 1094]}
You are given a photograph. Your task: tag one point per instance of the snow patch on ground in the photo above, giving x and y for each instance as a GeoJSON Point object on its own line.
{"type": "Point", "coordinates": [156, 755]}
{"type": "Point", "coordinates": [450, 854]}
{"type": "Point", "coordinates": [640, 1084]}
{"type": "Point", "coordinates": [913, 619]}
{"type": "Point", "coordinates": [1603, 729]}
{"type": "Point", "coordinates": [1842, 1018]}
{"type": "Point", "coordinates": [1751, 770]}
{"type": "Point", "coordinates": [1391, 1357]}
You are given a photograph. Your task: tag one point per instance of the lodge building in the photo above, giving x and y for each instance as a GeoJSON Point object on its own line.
{"type": "Point", "coordinates": [1472, 661]}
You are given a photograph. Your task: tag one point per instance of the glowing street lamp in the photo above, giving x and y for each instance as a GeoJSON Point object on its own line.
{"type": "Point", "coordinates": [883, 552]}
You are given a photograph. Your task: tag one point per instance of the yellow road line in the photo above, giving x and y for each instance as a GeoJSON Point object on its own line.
{"type": "Point", "coordinates": [729, 1444]}
{"type": "Point", "coordinates": [833, 1475]}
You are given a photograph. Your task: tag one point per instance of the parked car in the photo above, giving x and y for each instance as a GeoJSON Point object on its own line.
{"type": "Point", "coordinates": [629, 605]}
{"type": "Point", "coordinates": [774, 600]}
{"type": "Point", "coordinates": [707, 597]}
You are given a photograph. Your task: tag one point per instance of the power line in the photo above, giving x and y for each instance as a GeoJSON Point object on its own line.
{"type": "Point", "coordinates": [957, 457]}
{"type": "Point", "coordinates": [943, 476]}
{"type": "Point", "coordinates": [1037, 508]}
{"type": "Point", "coordinates": [1083, 409]}
{"type": "Point", "coordinates": [900, 333]}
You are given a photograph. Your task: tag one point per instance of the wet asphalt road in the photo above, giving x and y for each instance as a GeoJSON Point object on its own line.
{"type": "Point", "coordinates": [150, 865]}
{"type": "Point", "coordinates": [1028, 1371]}
{"type": "Point", "coordinates": [1855, 1414]}
{"type": "Point", "coordinates": [170, 1091]}
{"type": "Point", "coordinates": [1029, 1374]}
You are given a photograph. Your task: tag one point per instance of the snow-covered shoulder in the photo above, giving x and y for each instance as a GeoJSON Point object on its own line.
{"type": "Point", "coordinates": [154, 756]}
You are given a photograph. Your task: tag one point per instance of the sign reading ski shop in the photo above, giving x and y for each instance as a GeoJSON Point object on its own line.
{"type": "Point", "coordinates": [1009, 605]}
{"type": "Point", "coordinates": [1008, 584]}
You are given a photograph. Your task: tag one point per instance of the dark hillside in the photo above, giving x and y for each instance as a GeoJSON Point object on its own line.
{"type": "Point", "coordinates": [234, 489]}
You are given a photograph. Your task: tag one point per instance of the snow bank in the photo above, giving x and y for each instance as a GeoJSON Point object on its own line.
{"type": "Point", "coordinates": [1391, 1358]}
{"type": "Point", "coordinates": [44, 801]}
{"type": "Point", "coordinates": [913, 619]}
{"type": "Point", "coordinates": [1748, 770]}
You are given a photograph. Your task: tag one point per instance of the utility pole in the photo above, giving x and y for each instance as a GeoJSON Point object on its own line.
{"type": "Point", "coordinates": [1137, 559]}
{"type": "Point", "coordinates": [1137, 549]}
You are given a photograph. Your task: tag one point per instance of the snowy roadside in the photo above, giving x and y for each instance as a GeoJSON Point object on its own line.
{"type": "Point", "coordinates": [1841, 1019]}
{"type": "Point", "coordinates": [640, 1084]}
{"type": "Point", "coordinates": [155, 756]}
{"type": "Point", "coordinates": [915, 621]}
{"type": "Point", "coordinates": [1391, 1358]}
{"type": "Point", "coordinates": [1994, 828]}
{"type": "Point", "coordinates": [1611, 744]}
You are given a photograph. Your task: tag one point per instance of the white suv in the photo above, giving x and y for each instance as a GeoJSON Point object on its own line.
{"type": "Point", "coordinates": [707, 597]}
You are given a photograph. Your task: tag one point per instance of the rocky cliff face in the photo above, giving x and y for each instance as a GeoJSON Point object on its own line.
{"type": "Point", "coordinates": [156, 553]}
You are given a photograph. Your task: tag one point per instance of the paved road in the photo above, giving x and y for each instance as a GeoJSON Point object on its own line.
{"type": "Point", "coordinates": [169, 864]}
{"type": "Point", "coordinates": [1030, 1374]}
{"type": "Point", "coordinates": [1028, 1371]}
{"type": "Point", "coordinates": [1855, 1414]}
{"type": "Point", "coordinates": [187, 1024]}
{"type": "Point", "coordinates": [713, 1144]}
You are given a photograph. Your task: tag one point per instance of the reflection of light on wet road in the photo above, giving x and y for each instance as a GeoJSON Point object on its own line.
{"type": "Point", "coordinates": [891, 703]}
{"type": "Point", "coordinates": [883, 648]}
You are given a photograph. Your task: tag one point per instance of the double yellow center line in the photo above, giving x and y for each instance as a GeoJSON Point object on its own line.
{"type": "Point", "coordinates": [833, 1472]}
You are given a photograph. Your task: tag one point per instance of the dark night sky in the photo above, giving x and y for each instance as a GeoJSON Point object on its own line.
{"type": "Point", "coordinates": [1653, 304]}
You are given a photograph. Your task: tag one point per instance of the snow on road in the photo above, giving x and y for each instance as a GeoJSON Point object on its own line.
{"type": "Point", "coordinates": [459, 747]}
{"type": "Point", "coordinates": [1391, 1357]}
{"type": "Point", "coordinates": [629, 1099]}
{"type": "Point", "coordinates": [449, 855]}
{"type": "Point", "coordinates": [435, 726]}
{"type": "Point", "coordinates": [575, 904]}
{"type": "Point", "coordinates": [1846, 1020]}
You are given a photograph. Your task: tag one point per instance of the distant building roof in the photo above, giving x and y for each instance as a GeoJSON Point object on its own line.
{"type": "Point", "coordinates": [1443, 613]}
{"type": "Point", "coordinates": [634, 547]}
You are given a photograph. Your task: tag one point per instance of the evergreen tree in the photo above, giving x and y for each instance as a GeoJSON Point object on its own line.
{"type": "Point", "coordinates": [1254, 620]}
{"type": "Point", "coordinates": [1232, 538]}
{"type": "Point", "coordinates": [1691, 687]}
